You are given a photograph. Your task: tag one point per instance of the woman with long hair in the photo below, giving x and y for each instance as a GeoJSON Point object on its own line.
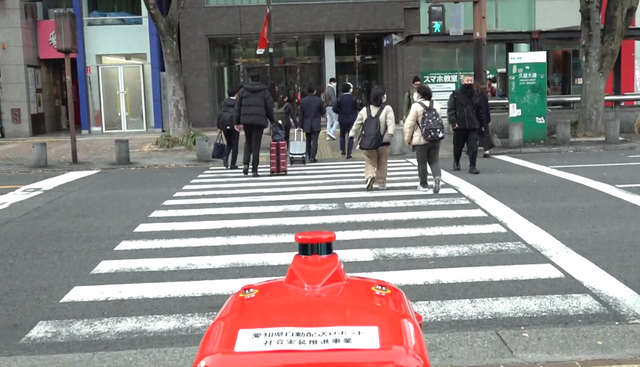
{"type": "Point", "coordinates": [375, 164]}
{"type": "Point", "coordinates": [427, 152]}
{"type": "Point", "coordinates": [286, 113]}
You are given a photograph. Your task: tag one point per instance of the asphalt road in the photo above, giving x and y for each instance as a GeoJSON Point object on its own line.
{"type": "Point", "coordinates": [545, 252]}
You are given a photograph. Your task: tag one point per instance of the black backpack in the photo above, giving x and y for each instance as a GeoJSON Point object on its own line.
{"type": "Point", "coordinates": [431, 125]}
{"type": "Point", "coordinates": [371, 137]}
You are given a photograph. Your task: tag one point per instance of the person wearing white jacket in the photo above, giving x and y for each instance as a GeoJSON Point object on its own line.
{"type": "Point", "coordinates": [426, 151]}
{"type": "Point", "coordinates": [375, 163]}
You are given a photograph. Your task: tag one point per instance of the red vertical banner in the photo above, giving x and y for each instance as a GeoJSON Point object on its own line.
{"type": "Point", "coordinates": [264, 41]}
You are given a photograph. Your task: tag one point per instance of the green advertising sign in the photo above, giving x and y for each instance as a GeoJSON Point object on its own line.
{"type": "Point", "coordinates": [528, 93]}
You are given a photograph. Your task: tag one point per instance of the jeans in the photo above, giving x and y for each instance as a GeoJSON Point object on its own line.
{"type": "Point", "coordinates": [345, 128]}
{"type": "Point", "coordinates": [462, 137]}
{"type": "Point", "coordinates": [233, 140]}
{"type": "Point", "coordinates": [332, 120]}
{"type": "Point", "coordinates": [375, 164]}
{"type": "Point", "coordinates": [253, 140]}
{"type": "Point", "coordinates": [312, 144]}
{"type": "Point", "coordinates": [428, 153]}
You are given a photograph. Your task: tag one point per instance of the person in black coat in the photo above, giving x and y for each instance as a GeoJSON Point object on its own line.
{"type": "Point", "coordinates": [485, 132]}
{"type": "Point", "coordinates": [347, 108]}
{"type": "Point", "coordinates": [225, 124]}
{"type": "Point", "coordinates": [286, 113]}
{"type": "Point", "coordinates": [311, 112]}
{"type": "Point", "coordinates": [254, 111]}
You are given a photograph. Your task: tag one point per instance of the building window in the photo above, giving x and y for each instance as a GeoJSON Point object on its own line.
{"type": "Point", "coordinates": [114, 12]}
{"type": "Point", "coordinates": [261, 2]}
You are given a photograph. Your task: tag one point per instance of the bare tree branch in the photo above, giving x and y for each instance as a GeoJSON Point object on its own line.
{"type": "Point", "coordinates": [173, 16]}
{"type": "Point", "coordinates": [156, 16]}
{"type": "Point", "coordinates": [618, 17]}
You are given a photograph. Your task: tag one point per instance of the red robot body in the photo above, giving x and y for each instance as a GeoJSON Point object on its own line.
{"type": "Point", "coordinates": [316, 315]}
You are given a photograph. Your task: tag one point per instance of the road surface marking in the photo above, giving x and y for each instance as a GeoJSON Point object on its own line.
{"type": "Point", "coordinates": [35, 189]}
{"type": "Point", "coordinates": [295, 221]}
{"type": "Point", "coordinates": [338, 163]}
{"type": "Point", "coordinates": [305, 207]}
{"type": "Point", "coordinates": [200, 288]}
{"type": "Point", "coordinates": [263, 190]}
{"type": "Point", "coordinates": [634, 156]}
{"type": "Point", "coordinates": [350, 166]}
{"type": "Point", "coordinates": [285, 258]}
{"type": "Point", "coordinates": [412, 173]}
{"type": "Point", "coordinates": [493, 308]}
{"type": "Point", "coordinates": [609, 289]}
{"type": "Point", "coordinates": [290, 237]}
{"type": "Point", "coordinates": [111, 328]}
{"type": "Point", "coordinates": [629, 185]}
{"type": "Point", "coordinates": [314, 183]}
{"type": "Point", "coordinates": [597, 165]}
{"type": "Point", "coordinates": [355, 170]}
{"type": "Point", "coordinates": [296, 197]}
{"type": "Point", "coordinates": [11, 186]}
{"type": "Point", "coordinates": [596, 185]}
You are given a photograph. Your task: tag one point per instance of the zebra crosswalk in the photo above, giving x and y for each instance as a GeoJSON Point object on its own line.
{"type": "Point", "coordinates": [224, 230]}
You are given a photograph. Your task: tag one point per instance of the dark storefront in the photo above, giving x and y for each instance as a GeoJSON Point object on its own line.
{"type": "Point", "coordinates": [344, 39]}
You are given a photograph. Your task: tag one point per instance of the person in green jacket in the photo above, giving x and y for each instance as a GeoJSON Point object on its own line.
{"type": "Point", "coordinates": [410, 97]}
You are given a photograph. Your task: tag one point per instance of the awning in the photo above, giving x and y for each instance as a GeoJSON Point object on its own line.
{"type": "Point", "coordinates": [555, 37]}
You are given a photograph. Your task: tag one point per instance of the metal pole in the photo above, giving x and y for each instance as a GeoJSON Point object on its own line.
{"type": "Point", "coordinates": [272, 70]}
{"type": "Point", "coordinates": [70, 111]}
{"type": "Point", "coordinates": [480, 41]}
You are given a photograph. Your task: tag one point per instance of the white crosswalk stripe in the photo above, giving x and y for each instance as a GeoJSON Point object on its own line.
{"type": "Point", "coordinates": [222, 226]}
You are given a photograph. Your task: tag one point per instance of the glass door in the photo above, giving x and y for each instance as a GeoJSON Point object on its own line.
{"type": "Point", "coordinates": [122, 98]}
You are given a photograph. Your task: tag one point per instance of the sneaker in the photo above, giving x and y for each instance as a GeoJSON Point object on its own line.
{"type": "Point", "coordinates": [381, 187]}
{"type": "Point", "coordinates": [423, 188]}
{"type": "Point", "coordinates": [436, 185]}
{"type": "Point", "coordinates": [456, 166]}
{"type": "Point", "coordinates": [473, 170]}
{"type": "Point", "coordinates": [370, 182]}
{"type": "Point", "coordinates": [330, 136]}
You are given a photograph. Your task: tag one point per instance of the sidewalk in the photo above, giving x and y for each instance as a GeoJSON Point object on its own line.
{"type": "Point", "coordinates": [98, 152]}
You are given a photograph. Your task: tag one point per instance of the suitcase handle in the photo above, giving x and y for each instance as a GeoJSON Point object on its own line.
{"type": "Point", "coordinates": [295, 135]}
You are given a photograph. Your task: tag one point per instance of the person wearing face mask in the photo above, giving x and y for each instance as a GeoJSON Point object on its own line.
{"type": "Point", "coordinates": [466, 116]}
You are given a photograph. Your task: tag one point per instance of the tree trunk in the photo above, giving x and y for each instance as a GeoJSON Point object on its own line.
{"type": "Point", "coordinates": [591, 113]}
{"type": "Point", "coordinates": [175, 85]}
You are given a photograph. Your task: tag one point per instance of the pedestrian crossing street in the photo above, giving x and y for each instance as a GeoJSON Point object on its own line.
{"type": "Point", "coordinates": [223, 230]}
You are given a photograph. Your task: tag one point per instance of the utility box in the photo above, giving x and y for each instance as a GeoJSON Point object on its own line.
{"type": "Point", "coordinates": [66, 33]}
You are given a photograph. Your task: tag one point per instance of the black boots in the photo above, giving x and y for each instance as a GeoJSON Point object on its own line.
{"type": "Point", "coordinates": [456, 166]}
{"type": "Point", "coordinates": [245, 170]}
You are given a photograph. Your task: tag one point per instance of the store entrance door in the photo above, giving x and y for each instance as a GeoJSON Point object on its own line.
{"type": "Point", "coordinates": [122, 98]}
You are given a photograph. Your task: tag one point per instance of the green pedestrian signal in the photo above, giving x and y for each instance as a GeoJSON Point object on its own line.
{"type": "Point", "coordinates": [437, 27]}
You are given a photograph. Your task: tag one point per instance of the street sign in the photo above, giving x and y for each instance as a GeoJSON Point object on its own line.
{"type": "Point", "coordinates": [457, 19]}
{"type": "Point", "coordinates": [528, 93]}
{"type": "Point", "coordinates": [392, 40]}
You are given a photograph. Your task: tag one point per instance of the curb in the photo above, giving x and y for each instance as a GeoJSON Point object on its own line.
{"type": "Point", "coordinates": [585, 363]}
{"type": "Point", "coordinates": [565, 149]}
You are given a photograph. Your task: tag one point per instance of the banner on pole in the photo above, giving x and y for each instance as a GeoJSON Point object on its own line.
{"type": "Point", "coordinates": [264, 41]}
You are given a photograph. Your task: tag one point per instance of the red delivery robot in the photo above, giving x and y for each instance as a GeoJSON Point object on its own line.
{"type": "Point", "coordinates": [315, 316]}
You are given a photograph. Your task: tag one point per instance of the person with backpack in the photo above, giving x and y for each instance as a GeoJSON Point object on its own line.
{"type": "Point", "coordinates": [424, 130]}
{"type": "Point", "coordinates": [285, 113]}
{"type": "Point", "coordinates": [375, 126]}
{"type": "Point", "coordinates": [226, 126]}
{"type": "Point", "coordinates": [329, 97]}
{"type": "Point", "coordinates": [347, 108]}
{"type": "Point", "coordinates": [466, 116]}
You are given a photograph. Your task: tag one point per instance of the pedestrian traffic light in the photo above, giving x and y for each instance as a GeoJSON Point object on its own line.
{"type": "Point", "coordinates": [436, 19]}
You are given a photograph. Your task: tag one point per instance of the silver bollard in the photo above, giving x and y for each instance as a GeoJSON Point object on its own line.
{"type": "Point", "coordinates": [516, 131]}
{"type": "Point", "coordinates": [612, 131]}
{"type": "Point", "coordinates": [122, 151]}
{"type": "Point", "coordinates": [203, 150]}
{"type": "Point", "coordinates": [563, 132]}
{"type": "Point", "coordinates": [397, 142]}
{"type": "Point", "coordinates": [39, 151]}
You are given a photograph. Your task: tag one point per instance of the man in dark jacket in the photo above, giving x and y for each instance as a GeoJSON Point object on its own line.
{"type": "Point", "coordinates": [226, 125]}
{"type": "Point", "coordinates": [254, 111]}
{"type": "Point", "coordinates": [311, 112]}
{"type": "Point", "coordinates": [466, 116]}
{"type": "Point", "coordinates": [347, 108]}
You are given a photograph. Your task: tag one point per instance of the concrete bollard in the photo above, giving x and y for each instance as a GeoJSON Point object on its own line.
{"type": "Point", "coordinates": [397, 142]}
{"type": "Point", "coordinates": [612, 131]}
{"type": "Point", "coordinates": [516, 131]}
{"type": "Point", "coordinates": [203, 150]}
{"type": "Point", "coordinates": [39, 151]}
{"type": "Point", "coordinates": [563, 132]}
{"type": "Point", "coordinates": [122, 151]}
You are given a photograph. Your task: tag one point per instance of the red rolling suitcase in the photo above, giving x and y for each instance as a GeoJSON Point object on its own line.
{"type": "Point", "coordinates": [278, 157]}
